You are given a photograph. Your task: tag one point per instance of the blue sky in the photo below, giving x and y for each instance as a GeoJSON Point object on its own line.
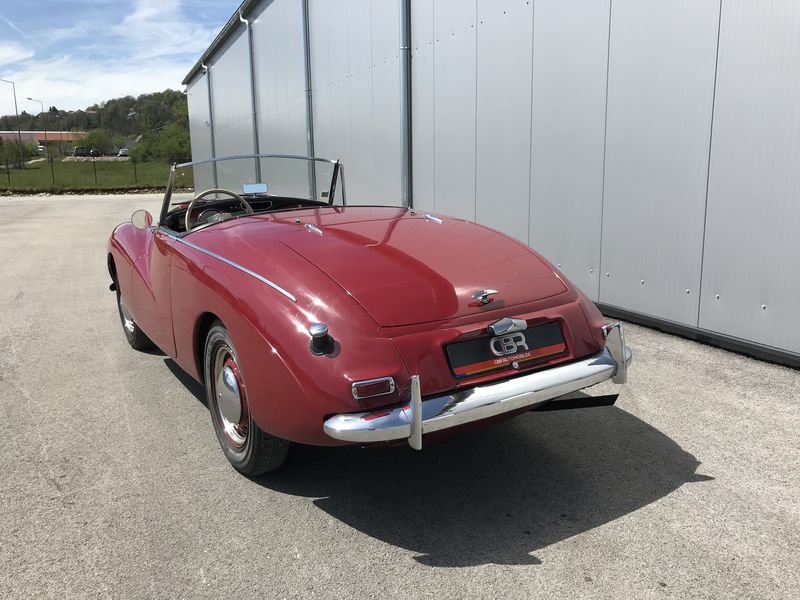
{"type": "Point", "coordinates": [74, 53]}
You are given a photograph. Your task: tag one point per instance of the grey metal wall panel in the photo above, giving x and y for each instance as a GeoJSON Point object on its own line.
{"type": "Point", "coordinates": [752, 248]}
{"type": "Point", "coordinates": [361, 161]}
{"type": "Point", "coordinates": [355, 80]}
{"type": "Point", "coordinates": [607, 157]}
{"type": "Point", "coordinates": [200, 131]}
{"type": "Point", "coordinates": [327, 122]}
{"type": "Point", "coordinates": [660, 94]}
{"type": "Point", "coordinates": [385, 51]}
{"type": "Point", "coordinates": [422, 115]}
{"type": "Point", "coordinates": [570, 59]}
{"type": "Point", "coordinates": [503, 115]}
{"type": "Point", "coordinates": [232, 111]}
{"type": "Point", "coordinates": [455, 51]}
{"type": "Point", "coordinates": [280, 92]}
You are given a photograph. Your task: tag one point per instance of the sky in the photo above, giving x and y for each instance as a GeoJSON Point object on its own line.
{"type": "Point", "coordinates": [75, 53]}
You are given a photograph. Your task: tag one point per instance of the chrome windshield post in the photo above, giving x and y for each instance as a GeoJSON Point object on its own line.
{"type": "Point", "coordinates": [344, 188]}
{"type": "Point", "coordinates": [168, 193]}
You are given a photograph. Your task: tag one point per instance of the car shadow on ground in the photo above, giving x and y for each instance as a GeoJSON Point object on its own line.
{"type": "Point", "coordinates": [495, 495]}
{"type": "Point", "coordinates": [188, 382]}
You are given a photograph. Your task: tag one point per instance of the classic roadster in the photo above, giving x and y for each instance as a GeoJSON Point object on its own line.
{"type": "Point", "coordinates": [315, 322]}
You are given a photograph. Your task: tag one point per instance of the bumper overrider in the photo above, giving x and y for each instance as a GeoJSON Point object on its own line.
{"type": "Point", "coordinates": [457, 408]}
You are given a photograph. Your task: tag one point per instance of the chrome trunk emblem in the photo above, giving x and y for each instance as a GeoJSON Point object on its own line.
{"type": "Point", "coordinates": [508, 344]}
{"type": "Point", "coordinates": [507, 325]}
{"type": "Point", "coordinates": [483, 296]}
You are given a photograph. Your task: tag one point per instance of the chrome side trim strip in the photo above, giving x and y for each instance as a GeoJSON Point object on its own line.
{"type": "Point", "coordinates": [434, 219]}
{"type": "Point", "coordinates": [274, 286]}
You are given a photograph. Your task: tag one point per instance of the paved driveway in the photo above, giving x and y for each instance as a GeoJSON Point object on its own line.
{"type": "Point", "coordinates": [112, 484]}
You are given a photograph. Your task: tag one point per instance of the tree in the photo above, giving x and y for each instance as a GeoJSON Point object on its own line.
{"type": "Point", "coordinates": [121, 118]}
{"type": "Point", "coordinates": [98, 138]}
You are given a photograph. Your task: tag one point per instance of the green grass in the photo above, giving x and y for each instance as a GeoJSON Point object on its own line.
{"type": "Point", "coordinates": [85, 176]}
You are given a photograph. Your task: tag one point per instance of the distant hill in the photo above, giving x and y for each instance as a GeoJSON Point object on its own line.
{"type": "Point", "coordinates": [159, 121]}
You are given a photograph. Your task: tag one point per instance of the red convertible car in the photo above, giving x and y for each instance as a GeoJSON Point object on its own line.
{"type": "Point", "coordinates": [315, 322]}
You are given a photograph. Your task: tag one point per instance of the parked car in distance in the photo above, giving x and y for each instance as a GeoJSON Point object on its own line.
{"type": "Point", "coordinates": [315, 322]}
{"type": "Point", "coordinates": [123, 152]}
{"type": "Point", "coordinates": [79, 151]}
{"type": "Point", "coordinates": [41, 149]}
{"type": "Point", "coordinates": [94, 152]}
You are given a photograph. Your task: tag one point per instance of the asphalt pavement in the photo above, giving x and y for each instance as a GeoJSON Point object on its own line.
{"type": "Point", "coordinates": [112, 484]}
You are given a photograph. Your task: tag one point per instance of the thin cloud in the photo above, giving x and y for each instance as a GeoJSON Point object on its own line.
{"type": "Point", "coordinates": [11, 53]}
{"type": "Point", "coordinates": [109, 51]}
{"type": "Point", "coordinates": [13, 26]}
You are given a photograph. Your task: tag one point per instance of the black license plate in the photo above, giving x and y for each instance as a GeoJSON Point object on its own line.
{"type": "Point", "coordinates": [486, 354]}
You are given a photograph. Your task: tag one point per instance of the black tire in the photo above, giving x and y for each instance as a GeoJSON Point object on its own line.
{"type": "Point", "coordinates": [133, 333]}
{"type": "Point", "coordinates": [247, 447]}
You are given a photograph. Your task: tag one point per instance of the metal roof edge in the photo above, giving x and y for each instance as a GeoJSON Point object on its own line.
{"type": "Point", "coordinates": [222, 36]}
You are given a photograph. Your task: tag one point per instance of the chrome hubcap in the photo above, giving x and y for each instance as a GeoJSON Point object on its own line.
{"type": "Point", "coordinates": [231, 400]}
{"type": "Point", "coordinates": [127, 319]}
{"type": "Point", "coordinates": [230, 404]}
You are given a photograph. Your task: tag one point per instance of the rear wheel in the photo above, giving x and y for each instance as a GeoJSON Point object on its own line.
{"type": "Point", "coordinates": [249, 449]}
{"type": "Point", "coordinates": [135, 336]}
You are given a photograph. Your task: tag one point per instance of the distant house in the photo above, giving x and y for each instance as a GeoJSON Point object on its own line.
{"type": "Point", "coordinates": [39, 136]}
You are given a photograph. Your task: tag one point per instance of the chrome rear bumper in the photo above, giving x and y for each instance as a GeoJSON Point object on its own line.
{"type": "Point", "coordinates": [482, 402]}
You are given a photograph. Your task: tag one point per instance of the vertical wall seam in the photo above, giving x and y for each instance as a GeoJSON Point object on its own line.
{"type": "Point", "coordinates": [605, 152]}
{"type": "Point", "coordinates": [406, 56]}
{"type": "Point", "coordinates": [211, 123]}
{"type": "Point", "coordinates": [708, 167]}
{"type": "Point", "coordinates": [475, 136]}
{"type": "Point", "coordinates": [312, 172]}
{"type": "Point", "coordinates": [253, 99]}
{"type": "Point", "coordinates": [347, 80]}
{"type": "Point", "coordinates": [433, 95]}
{"type": "Point", "coordinates": [530, 132]}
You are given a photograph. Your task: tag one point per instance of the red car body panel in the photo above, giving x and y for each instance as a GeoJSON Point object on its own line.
{"type": "Point", "coordinates": [394, 287]}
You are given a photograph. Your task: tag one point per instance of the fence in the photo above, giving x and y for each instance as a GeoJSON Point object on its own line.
{"type": "Point", "coordinates": [75, 173]}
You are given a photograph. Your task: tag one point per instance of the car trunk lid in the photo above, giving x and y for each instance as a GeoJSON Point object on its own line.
{"type": "Point", "coordinates": [415, 269]}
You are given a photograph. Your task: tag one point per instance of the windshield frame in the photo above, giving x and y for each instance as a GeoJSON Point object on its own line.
{"type": "Point", "coordinates": [338, 174]}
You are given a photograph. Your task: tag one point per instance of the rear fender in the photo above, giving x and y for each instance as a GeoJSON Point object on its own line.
{"type": "Point", "coordinates": [290, 390]}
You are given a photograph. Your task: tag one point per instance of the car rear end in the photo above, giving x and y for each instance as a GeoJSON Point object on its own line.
{"type": "Point", "coordinates": [476, 369]}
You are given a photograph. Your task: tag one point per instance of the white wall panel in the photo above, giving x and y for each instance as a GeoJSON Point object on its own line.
{"type": "Point", "coordinates": [280, 93]}
{"type": "Point", "coordinates": [233, 111]}
{"type": "Point", "coordinates": [355, 80]}
{"type": "Point", "coordinates": [357, 58]}
{"type": "Point", "coordinates": [570, 59]}
{"type": "Point", "coordinates": [581, 126]}
{"type": "Point", "coordinates": [455, 48]}
{"type": "Point", "coordinates": [423, 86]}
{"type": "Point", "coordinates": [660, 94]}
{"type": "Point", "coordinates": [385, 49]}
{"type": "Point", "coordinates": [503, 109]}
{"type": "Point", "coordinates": [752, 248]}
{"type": "Point", "coordinates": [280, 77]}
{"type": "Point", "coordinates": [200, 131]}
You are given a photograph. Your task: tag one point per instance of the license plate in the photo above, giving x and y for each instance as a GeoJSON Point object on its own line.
{"type": "Point", "coordinates": [487, 354]}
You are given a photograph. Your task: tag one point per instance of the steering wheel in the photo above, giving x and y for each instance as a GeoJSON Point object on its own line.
{"type": "Point", "coordinates": [247, 208]}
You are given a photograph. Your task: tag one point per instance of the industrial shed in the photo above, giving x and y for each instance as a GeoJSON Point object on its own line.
{"type": "Point", "coordinates": [649, 148]}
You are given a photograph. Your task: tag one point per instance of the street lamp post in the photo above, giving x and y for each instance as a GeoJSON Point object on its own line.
{"type": "Point", "coordinates": [46, 144]}
{"type": "Point", "coordinates": [16, 112]}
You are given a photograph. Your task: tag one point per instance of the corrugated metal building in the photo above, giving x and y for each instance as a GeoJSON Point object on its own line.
{"type": "Point", "coordinates": [649, 148]}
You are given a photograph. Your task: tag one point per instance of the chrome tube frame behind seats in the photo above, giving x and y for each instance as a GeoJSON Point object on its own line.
{"type": "Point", "coordinates": [465, 406]}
